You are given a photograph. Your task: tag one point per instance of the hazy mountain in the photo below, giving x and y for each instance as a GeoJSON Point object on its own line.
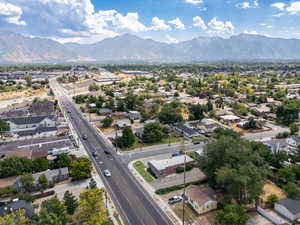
{"type": "Point", "coordinates": [129, 48]}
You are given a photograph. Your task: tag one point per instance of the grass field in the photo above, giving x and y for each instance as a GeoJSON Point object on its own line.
{"type": "Point", "coordinates": [141, 169]}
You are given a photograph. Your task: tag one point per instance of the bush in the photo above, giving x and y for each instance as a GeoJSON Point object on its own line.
{"type": "Point", "coordinates": [6, 191]}
{"type": "Point", "coordinates": [180, 169]}
{"type": "Point", "coordinates": [43, 195]}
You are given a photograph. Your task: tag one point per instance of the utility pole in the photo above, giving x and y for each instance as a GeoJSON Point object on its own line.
{"type": "Point", "coordinates": [184, 170]}
{"type": "Point", "coordinates": [116, 129]}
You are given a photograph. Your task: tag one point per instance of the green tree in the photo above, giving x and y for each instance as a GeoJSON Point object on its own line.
{"type": "Point", "coordinates": [92, 183]}
{"type": "Point", "coordinates": [81, 168]}
{"type": "Point", "coordinates": [61, 161]}
{"type": "Point", "coordinates": [91, 210]}
{"type": "Point", "coordinates": [127, 139]}
{"type": "Point", "coordinates": [70, 202]}
{"type": "Point", "coordinates": [170, 114]}
{"type": "Point", "coordinates": [107, 122]}
{"type": "Point", "coordinates": [43, 181]}
{"type": "Point", "coordinates": [27, 182]}
{"type": "Point", "coordinates": [40, 164]}
{"type": "Point", "coordinates": [233, 214]}
{"type": "Point", "coordinates": [292, 190]}
{"type": "Point", "coordinates": [53, 210]}
{"type": "Point", "coordinates": [4, 127]}
{"type": "Point", "coordinates": [272, 199]}
{"type": "Point", "coordinates": [287, 174]}
{"type": "Point", "coordinates": [294, 128]}
{"type": "Point", "coordinates": [153, 132]}
{"type": "Point", "coordinates": [28, 79]}
{"type": "Point", "coordinates": [197, 111]}
{"type": "Point", "coordinates": [15, 218]}
{"type": "Point", "coordinates": [288, 112]}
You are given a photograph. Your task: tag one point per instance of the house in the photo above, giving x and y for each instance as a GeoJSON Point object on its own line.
{"type": "Point", "coordinates": [262, 110]}
{"type": "Point", "coordinates": [207, 126]}
{"type": "Point", "coordinates": [53, 177]}
{"type": "Point", "coordinates": [15, 205]}
{"type": "Point", "coordinates": [186, 129]}
{"type": "Point", "coordinates": [134, 115]}
{"type": "Point", "coordinates": [123, 123]}
{"type": "Point", "coordinates": [198, 154]}
{"type": "Point", "coordinates": [289, 208]}
{"type": "Point", "coordinates": [202, 199]}
{"type": "Point", "coordinates": [293, 142]}
{"type": "Point", "coordinates": [18, 124]}
{"type": "Point", "coordinates": [277, 145]}
{"type": "Point", "coordinates": [229, 119]}
{"type": "Point", "coordinates": [105, 111]}
{"type": "Point", "coordinates": [165, 167]}
{"type": "Point", "coordinates": [42, 108]}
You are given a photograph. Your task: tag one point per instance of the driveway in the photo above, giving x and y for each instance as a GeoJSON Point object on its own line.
{"type": "Point", "coordinates": [177, 179]}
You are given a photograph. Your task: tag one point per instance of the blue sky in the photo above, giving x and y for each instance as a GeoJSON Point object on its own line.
{"type": "Point", "coordinates": [88, 21]}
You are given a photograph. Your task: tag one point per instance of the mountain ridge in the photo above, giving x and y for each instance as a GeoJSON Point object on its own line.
{"type": "Point", "coordinates": [16, 48]}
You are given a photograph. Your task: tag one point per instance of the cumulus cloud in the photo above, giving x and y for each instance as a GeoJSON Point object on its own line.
{"type": "Point", "coordinates": [199, 22]}
{"type": "Point", "coordinates": [11, 13]}
{"type": "Point", "coordinates": [171, 39]}
{"type": "Point", "coordinates": [220, 27]}
{"type": "Point", "coordinates": [279, 5]}
{"type": "Point", "coordinates": [294, 8]}
{"type": "Point", "coordinates": [159, 24]}
{"type": "Point", "coordinates": [194, 2]}
{"type": "Point", "coordinates": [129, 22]}
{"type": "Point", "coordinates": [247, 5]}
{"type": "Point", "coordinates": [178, 24]}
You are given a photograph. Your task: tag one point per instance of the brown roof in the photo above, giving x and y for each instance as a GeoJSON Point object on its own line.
{"type": "Point", "coordinates": [200, 194]}
{"type": "Point", "coordinates": [24, 152]}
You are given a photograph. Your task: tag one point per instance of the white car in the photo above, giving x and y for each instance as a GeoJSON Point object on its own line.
{"type": "Point", "coordinates": [107, 173]}
{"type": "Point", "coordinates": [175, 199]}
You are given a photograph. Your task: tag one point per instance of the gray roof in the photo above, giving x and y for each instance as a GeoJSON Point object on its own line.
{"type": "Point", "coordinates": [15, 205]}
{"type": "Point", "coordinates": [292, 205]}
{"type": "Point", "coordinates": [29, 120]}
{"type": "Point", "coordinates": [38, 130]}
{"type": "Point", "coordinates": [184, 128]}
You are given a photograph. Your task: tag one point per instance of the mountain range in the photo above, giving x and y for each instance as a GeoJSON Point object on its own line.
{"type": "Point", "coordinates": [16, 48]}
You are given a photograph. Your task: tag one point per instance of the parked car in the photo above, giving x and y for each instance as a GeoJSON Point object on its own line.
{"type": "Point", "coordinates": [175, 154]}
{"type": "Point", "coordinates": [85, 137]}
{"type": "Point", "coordinates": [95, 154]}
{"type": "Point", "coordinates": [174, 199]}
{"type": "Point", "coordinates": [107, 173]}
{"type": "Point", "coordinates": [107, 152]}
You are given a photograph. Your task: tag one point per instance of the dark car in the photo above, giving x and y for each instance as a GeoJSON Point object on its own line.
{"type": "Point", "coordinates": [85, 137]}
{"type": "Point", "coordinates": [107, 152]}
{"type": "Point", "coordinates": [95, 155]}
{"type": "Point", "coordinates": [175, 154]}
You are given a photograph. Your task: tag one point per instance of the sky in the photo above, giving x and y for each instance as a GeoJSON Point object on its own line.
{"type": "Point", "coordinates": [171, 21]}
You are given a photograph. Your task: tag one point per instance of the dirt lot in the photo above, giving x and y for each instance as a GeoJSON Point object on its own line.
{"type": "Point", "coordinates": [22, 94]}
{"type": "Point", "coordinates": [271, 188]}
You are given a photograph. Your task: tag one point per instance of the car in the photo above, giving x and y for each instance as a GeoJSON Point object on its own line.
{"type": "Point", "coordinates": [175, 154]}
{"type": "Point", "coordinates": [197, 142]}
{"type": "Point", "coordinates": [95, 155]}
{"type": "Point", "coordinates": [174, 199]}
{"type": "Point", "coordinates": [107, 152]}
{"type": "Point", "coordinates": [85, 137]}
{"type": "Point", "coordinates": [107, 173]}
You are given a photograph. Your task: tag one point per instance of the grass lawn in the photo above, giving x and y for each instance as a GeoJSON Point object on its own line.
{"type": "Point", "coordinates": [137, 145]}
{"type": "Point", "coordinates": [141, 169]}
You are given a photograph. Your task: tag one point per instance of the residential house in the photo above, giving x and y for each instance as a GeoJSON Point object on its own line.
{"type": "Point", "coordinates": [202, 199]}
{"type": "Point", "coordinates": [53, 177]}
{"type": "Point", "coordinates": [134, 115]}
{"type": "Point", "coordinates": [165, 167]}
{"type": "Point", "coordinates": [289, 208]}
{"type": "Point", "coordinates": [123, 123]}
{"type": "Point", "coordinates": [230, 119]}
{"type": "Point", "coordinates": [186, 129]}
{"type": "Point", "coordinates": [207, 126]}
{"type": "Point", "coordinates": [15, 205]}
{"type": "Point", "coordinates": [105, 111]}
{"type": "Point", "coordinates": [42, 108]}
{"type": "Point", "coordinates": [262, 109]}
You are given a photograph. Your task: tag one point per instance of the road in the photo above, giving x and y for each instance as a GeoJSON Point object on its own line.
{"type": "Point", "coordinates": [134, 204]}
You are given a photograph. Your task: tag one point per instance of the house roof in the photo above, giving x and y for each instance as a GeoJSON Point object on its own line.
{"type": "Point", "coordinates": [42, 107]}
{"type": "Point", "coordinates": [186, 129]}
{"type": "Point", "coordinates": [15, 205]}
{"type": "Point", "coordinates": [290, 204]}
{"type": "Point", "coordinates": [164, 163]}
{"type": "Point", "coordinates": [29, 120]}
{"type": "Point", "coordinates": [200, 194]}
{"type": "Point", "coordinates": [36, 131]}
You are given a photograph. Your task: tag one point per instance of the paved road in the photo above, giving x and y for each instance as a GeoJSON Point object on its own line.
{"type": "Point", "coordinates": [134, 204]}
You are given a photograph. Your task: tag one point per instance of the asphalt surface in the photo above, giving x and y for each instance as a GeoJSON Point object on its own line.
{"type": "Point", "coordinates": [133, 203]}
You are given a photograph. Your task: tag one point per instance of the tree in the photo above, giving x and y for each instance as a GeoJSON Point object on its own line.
{"type": "Point", "coordinates": [170, 114]}
{"type": "Point", "coordinates": [27, 182]}
{"type": "Point", "coordinates": [81, 168]}
{"type": "Point", "coordinates": [70, 202]}
{"type": "Point", "coordinates": [40, 164]}
{"type": "Point", "coordinates": [288, 112]}
{"type": "Point", "coordinates": [28, 79]}
{"type": "Point", "coordinates": [153, 132]}
{"type": "Point", "coordinates": [127, 139]}
{"type": "Point", "coordinates": [91, 210]}
{"type": "Point", "coordinates": [287, 174]}
{"type": "Point", "coordinates": [43, 181]}
{"type": "Point", "coordinates": [197, 111]}
{"type": "Point", "coordinates": [231, 164]}
{"type": "Point", "coordinates": [272, 199]}
{"type": "Point", "coordinates": [292, 190]}
{"type": "Point", "coordinates": [15, 218]}
{"type": "Point", "coordinates": [107, 121]}
{"type": "Point", "coordinates": [219, 132]}
{"type": "Point", "coordinates": [294, 128]}
{"type": "Point", "coordinates": [92, 183]}
{"type": "Point", "coordinates": [4, 127]}
{"type": "Point", "coordinates": [252, 124]}
{"type": "Point", "coordinates": [61, 161]}
{"type": "Point", "coordinates": [53, 210]}
{"type": "Point", "coordinates": [233, 214]}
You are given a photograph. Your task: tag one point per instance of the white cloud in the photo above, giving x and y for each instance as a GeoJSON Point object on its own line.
{"type": "Point", "coordinates": [194, 2]}
{"type": "Point", "coordinates": [279, 5]}
{"type": "Point", "coordinates": [129, 22]}
{"type": "Point", "coordinates": [171, 40]}
{"type": "Point", "coordinates": [247, 5]}
{"type": "Point", "coordinates": [199, 22]}
{"type": "Point", "coordinates": [11, 13]}
{"type": "Point", "coordinates": [178, 24]}
{"type": "Point", "coordinates": [219, 27]}
{"type": "Point", "coordinates": [159, 24]}
{"type": "Point", "coordinates": [294, 8]}
{"type": "Point", "coordinates": [250, 32]}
